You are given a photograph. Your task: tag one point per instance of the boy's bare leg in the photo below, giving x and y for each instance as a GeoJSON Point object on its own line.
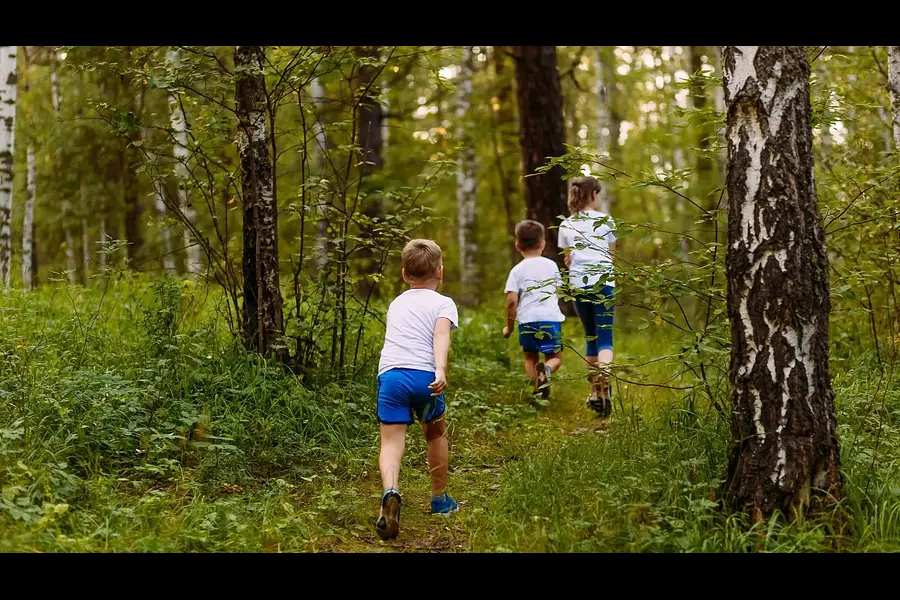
{"type": "Point", "coordinates": [531, 361]}
{"type": "Point", "coordinates": [437, 455]}
{"type": "Point", "coordinates": [393, 443]}
{"type": "Point", "coordinates": [554, 361]}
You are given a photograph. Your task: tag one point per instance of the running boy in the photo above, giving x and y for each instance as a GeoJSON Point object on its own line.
{"type": "Point", "coordinates": [531, 299]}
{"type": "Point", "coordinates": [412, 377]}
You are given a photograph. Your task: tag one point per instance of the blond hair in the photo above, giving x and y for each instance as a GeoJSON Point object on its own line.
{"type": "Point", "coordinates": [421, 259]}
{"type": "Point", "coordinates": [581, 192]}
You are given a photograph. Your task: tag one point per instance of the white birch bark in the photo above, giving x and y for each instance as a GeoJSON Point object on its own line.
{"type": "Point", "coordinates": [678, 159]}
{"type": "Point", "coordinates": [66, 203]}
{"type": "Point", "coordinates": [604, 125]}
{"type": "Point", "coordinates": [181, 154]}
{"type": "Point", "coordinates": [894, 88]}
{"type": "Point", "coordinates": [28, 221]}
{"type": "Point", "coordinates": [465, 184]}
{"type": "Point", "coordinates": [7, 148]}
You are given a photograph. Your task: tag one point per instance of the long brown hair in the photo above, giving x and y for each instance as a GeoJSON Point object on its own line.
{"type": "Point", "coordinates": [581, 192]}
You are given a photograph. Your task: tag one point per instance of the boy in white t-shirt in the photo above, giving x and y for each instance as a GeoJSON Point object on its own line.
{"type": "Point", "coordinates": [412, 377]}
{"type": "Point", "coordinates": [531, 301]}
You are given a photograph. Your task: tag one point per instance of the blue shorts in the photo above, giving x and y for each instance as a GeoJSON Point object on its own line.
{"type": "Point", "coordinates": [403, 393]}
{"type": "Point", "coordinates": [596, 314]}
{"type": "Point", "coordinates": [541, 336]}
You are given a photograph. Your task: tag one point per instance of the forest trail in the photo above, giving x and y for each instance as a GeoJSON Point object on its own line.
{"type": "Point", "coordinates": [473, 481]}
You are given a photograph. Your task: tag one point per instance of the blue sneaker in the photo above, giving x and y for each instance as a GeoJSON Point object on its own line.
{"type": "Point", "coordinates": [388, 524]}
{"type": "Point", "coordinates": [443, 505]}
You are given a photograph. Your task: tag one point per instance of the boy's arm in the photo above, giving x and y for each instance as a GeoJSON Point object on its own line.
{"type": "Point", "coordinates": [512, 305]}
{"type": "Point", "coordinates": [441, 355]}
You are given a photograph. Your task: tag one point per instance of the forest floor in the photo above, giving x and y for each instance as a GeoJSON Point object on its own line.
{"type": "Point", "coordinates": [474, 480]}
{"type": "Point", "coordinates": [119, 434]}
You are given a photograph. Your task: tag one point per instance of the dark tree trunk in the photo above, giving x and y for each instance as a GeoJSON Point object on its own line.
{"type": "Point", "coordinates": [369, 138]}
{"type": "Point", "coordinates": [262, 314]}
{"type": "Point", "coordinates": [785, 450]}
{"type": "Point", "coordinates": [542, 135]}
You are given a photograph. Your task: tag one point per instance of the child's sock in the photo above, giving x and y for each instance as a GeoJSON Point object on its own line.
{"type": "Point", "coordinates": [389, 490]}
{"type": "Point", "coordinates": [439, 498]}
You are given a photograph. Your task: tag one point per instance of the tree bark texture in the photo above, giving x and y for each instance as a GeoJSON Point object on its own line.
{"type": "Point", "coordinates": [785, 451]}
{"type": "Point", "coordinates": [182, 175]}
{"type": "Point", "coordinates": [7, 151]}
{"type": "Point", "coordinates": [262, 314]}
{"type": "Point", "coordinates": [29, 264]}
{"type": "Point", "coordinates": [894, 87]}
{"type": "Point", "coordinates": [541, 135]}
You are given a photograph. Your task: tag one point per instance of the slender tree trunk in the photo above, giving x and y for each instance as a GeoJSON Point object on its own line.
{"type": "Point", "coordinates": [604, 122]}
{"type": "Point", "coordinates": [263, 317]}
{"type": "Point", "coordinates": [7, 152]}
{"type": "Point", "coordinates": [102, 257]}
{"type": "Point", "coordinates": [85, 243]}
{"type": "Point", "coordinates": [66, 205]}
{"type": "Point", "coordinates": [683, 217]}
{"type": "Point", "coordinates": [504, 116]}
{"type": "Point", "coordinates": [320, 151]}
{"type": "Point", "coordinates": [133, 208]}
{"type": "Point", "coordinates": [182, 175]}
{"type": "Point", "coordinates": [894, 87]}
{"type": "Point", "coordinates": [465, 186]}
{"type": "Point", "coordinates": [705, 133]}
{"type": "Point", "coordinates": [785, 451]}
{"type": "Point", "coordinates": [542, 135]}
{"type": "Point", "coordinates": [368, 137]}
{"type": "Point", "coordinates": [28, 260]}
{"type": "Point", "coordinates": [720, 108]}
{"type": "Point", "coordinates": [159, 191]}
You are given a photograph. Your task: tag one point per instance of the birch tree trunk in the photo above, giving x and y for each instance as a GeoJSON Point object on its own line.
{"type": "Point", "coordinates": [181, 154]}
{"type": "Point", "coordinates": [706, 133]}
{"type": "Point", "coordinates": [678, 160]}
{"type": "Point", "coordinates": [7, 152]}
{"type": "Point", "coordinates": [785, 452]}
{"type": "Point", "coordinates": [29, 262]}
{"type": "Point", "coordinates": [263, 318]}
{"type": "Point", "coordinates": [894, 88]}
{"type": "Point", "coordinates": [28, 259]}
{"type": "Point", "coordinates": [541, 134]}
{"type": "Point", "coordinates": [602, 84]}
{"type": "Point", "coordinates": [465, 186]}
{"type": "Point", "coordinates": [66, 205]}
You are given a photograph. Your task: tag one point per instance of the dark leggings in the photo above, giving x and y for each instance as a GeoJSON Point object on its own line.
{"type": "Point", "coordinates": [596, 314]}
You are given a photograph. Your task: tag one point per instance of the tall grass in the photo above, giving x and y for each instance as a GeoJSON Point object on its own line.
{"type": "Point", "coordinates": [130, 420]}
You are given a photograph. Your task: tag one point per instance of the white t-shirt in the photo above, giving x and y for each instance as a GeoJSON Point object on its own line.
{"type": "Point", "coordinates": [537, 299]}
{"type": "Point", "coordinates": [593, 260]}
{"type": "Point", "coordinates": [409, 337]}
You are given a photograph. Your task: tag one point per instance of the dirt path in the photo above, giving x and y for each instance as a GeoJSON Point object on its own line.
{"type": "Point", "coordinates": [474, 478]}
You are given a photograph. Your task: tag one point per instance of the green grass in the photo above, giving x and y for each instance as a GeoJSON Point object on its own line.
{"type": "Point", "coordinates": [101, 390]}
